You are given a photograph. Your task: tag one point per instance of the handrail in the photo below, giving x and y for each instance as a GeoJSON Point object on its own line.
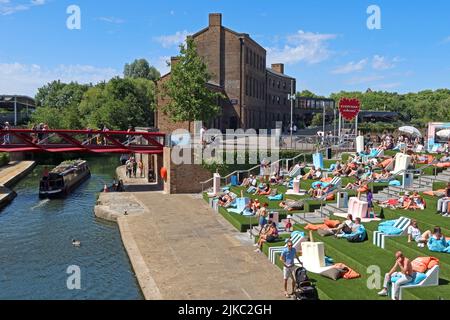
{"type": "Point", "coordinates": [237, 172]}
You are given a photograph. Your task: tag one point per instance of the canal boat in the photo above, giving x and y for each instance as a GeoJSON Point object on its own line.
{"type": "Point", "coordinates": [64, 179]}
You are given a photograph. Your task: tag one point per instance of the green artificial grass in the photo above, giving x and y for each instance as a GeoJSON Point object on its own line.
{"type": "Point", "coordinates": [362, 256]}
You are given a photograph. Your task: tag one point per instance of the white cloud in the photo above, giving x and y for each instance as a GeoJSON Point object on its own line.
{"type": "Point", "coordinates": [446, 40]}
{"type": "Point", "coordinates": [383, 63]}
{"type": "Point", "coordinates": [303, 46]}
{"type": "Point", "coordinates": [111, 20]}
{"type": "Point", "coordinates": [351, 67]}
{"type": "Point", "coordinates": [364, 79]}
{"type": "Point", "coordinates": [168, 41]}
{"type": "Point", "coordinates": [8, 7]}
{"type": "Point", "coordinates": [17, 78]}
{"type": "Point", "coordinates": [161, 65]}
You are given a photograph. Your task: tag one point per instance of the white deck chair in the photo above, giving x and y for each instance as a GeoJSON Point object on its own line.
{"type": "Point", "coordinates": [379, 237]}
{"type": "Point", "coordinates": [297, 240]}
{"type": "Point", "coordinates": [431, 280]}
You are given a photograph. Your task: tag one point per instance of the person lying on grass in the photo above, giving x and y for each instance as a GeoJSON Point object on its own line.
{"type": "Point", "coordinates": [415, 202]}
{"type": "Point", "coordinates": [264, 191]}
{"type": "Point", "coordinates": [345, 227]}
{"type": "Point", "coordinates": [414, 234]}
{"type": "Point", "coordinates": [357, 229]}
{"type": "Point", "coordinates": [337, 172]}
{"type": "Point", "coordinates": [250, 181]}
{"type": "Point", "coordinates": [437, 242]}
{"type": "Point", "coordinates": [270, 236]}
{"type": "Point", "coordinates": [384, 175]}
{"type": "Point", "coordinates": [225, 200]}
{"type": "Point", "coordinates": [406, 275]}
{"type": "Point", "coordinates": [292, 205]}
{"type": "Point", "coordinates": [311, 175]}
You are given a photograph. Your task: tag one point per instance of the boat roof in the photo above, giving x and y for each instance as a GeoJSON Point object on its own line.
{"type": "Point", "coordinates": [67, 166]}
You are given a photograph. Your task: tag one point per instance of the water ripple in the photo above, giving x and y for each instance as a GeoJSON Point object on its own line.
{"type": "Point", "coordinates": [36, 247]}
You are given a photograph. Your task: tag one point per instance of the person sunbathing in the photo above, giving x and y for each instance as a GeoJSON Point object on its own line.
{"type": "Point", "coordinates": [255, 205]}
{"type": "Point", "coordinates": [353, 229]}
{"type": "Point", "coordinates": [265, 191]}
{"type": "Point", "coordinates": [384, 175]}
{"type": "Point", "coordinates": [250, 181]}
{"type": "Point", "coordinates": [437, 242]}
{"type": "Point", "coordinates": [292, 205]}
{"type": "Point", "coordinates": [276, 178]}
{"type": "Point", "coordinates": [270, 236]}
{"type": "Point", "coordinates": [414, 234]}
{"type": "Point", "coordinates": [225, 200]}
{"type": "Point", "coordinates": [418, 202]}
{"type": "Point", "coordinates": [445, 158]}
{"type": "Point", "coordinates": [345, 227]}
{"type": "Point", "coordinates": [354, 185]}
{"type": "Point", "coordinates": [317, 192]}
{"type": "Point", "coordinates": [311, 174]}
{"type": "Point", "coordinates": [337, 172]}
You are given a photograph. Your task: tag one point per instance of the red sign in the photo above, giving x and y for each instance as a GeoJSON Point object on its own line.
{"type": "Point", "coordinates": [349, 108]}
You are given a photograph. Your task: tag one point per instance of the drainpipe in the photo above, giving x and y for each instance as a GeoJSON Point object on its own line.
{"type": "Point", "coordinates": [240, 79]}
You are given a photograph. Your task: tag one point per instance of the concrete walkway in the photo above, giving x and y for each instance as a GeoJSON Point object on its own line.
{"type": "Point", "coordinates": [181, 249]}
{"type": "Point", "coordinates": [9, 176]}
{"type": "Point", "coordinates": [12, 173]}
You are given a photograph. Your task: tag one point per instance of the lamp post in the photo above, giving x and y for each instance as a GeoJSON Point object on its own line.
{"type": "Point", "coordinates": [324, 122]}
{"type": "Point", "coordinates": [292, 97]}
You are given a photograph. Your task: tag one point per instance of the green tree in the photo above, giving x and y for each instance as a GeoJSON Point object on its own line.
{"type": "Point", "coordinates": [317, 120]}
{"type": "Point", "coordinates": [119, 104]}
{"type": "Point", "coordinates": [140, 68]}
{"type": "Point", "coordinates": [190, 99]}
{"type": "Point", "coordinates": [58, 104]}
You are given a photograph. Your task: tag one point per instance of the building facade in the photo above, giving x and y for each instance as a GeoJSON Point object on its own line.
{"type": "Point", "coordinates": [256, 97]}
{"type": "Point", "coordinates": [16, 109]}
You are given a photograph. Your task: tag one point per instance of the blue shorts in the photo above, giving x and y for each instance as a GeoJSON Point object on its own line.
{"type": "Point", "coordinates": [262, 221]}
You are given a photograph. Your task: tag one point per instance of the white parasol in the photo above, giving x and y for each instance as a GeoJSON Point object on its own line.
{"type": "Point", "coordinates": [444, 134]}
{"type": "Point", "coordinates": [410, 130]}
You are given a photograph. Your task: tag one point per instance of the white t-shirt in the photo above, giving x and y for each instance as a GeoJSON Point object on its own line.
{"type": "Point", "coordinates": [349, 223]}
{"type": "Point", "coordinates": [414, 232]}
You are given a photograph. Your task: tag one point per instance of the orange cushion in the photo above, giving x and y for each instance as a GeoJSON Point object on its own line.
{"type": "Point", "coordinates": [330, 197]}
{"type": "Point", "coordinates": [326, 179]}
{"type": "Point", "coordinates": [350, 273]}
{"type": "Point", "coordinates": [443, 165]}
{"type": "Point", "coordinates": [433, 262]}
{"type": "Point", "coordinates": [385, 163]}
{"type": "Point", "coordinates": [363, 189]}
{"type": "Point", "coordinates": [332, 223]}
{"type": "Point", "coordinates": [420, 264]}
{"type": "Point", "coordinates": [315, 227]}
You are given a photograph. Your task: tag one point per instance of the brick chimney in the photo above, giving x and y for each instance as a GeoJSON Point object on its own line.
{"type": "Point", "coordinates": [174, 61]}
{"type": "Point", "coordinates": [278, 67]}
{"type": "Point", "coordinates": [215, 19]}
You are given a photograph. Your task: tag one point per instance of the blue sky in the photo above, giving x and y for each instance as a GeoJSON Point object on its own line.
{"type": "Point", "coordinates": [325, 44]}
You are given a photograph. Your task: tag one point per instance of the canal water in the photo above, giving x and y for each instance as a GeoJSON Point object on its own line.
{"type": "Point", "coordinates": [36, 244]}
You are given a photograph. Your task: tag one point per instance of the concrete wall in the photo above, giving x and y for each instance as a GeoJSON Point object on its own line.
{"type": "Point", "coordinates": [184, 178]}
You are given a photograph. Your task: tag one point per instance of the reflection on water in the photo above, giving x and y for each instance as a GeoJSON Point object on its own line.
{"type": "Point", "coordinates": [36, 244]}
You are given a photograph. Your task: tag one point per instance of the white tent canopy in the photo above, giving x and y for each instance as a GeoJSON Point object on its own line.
{"type": "Point", "coordinates": [410, 130]}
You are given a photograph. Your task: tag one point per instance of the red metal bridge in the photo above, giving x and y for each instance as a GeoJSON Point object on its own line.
{"type": "Point", "coordinates": [86, 141]}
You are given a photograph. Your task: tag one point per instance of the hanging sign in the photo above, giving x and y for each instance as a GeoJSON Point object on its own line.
{"type": "Point", "coordinates": [349, 108]}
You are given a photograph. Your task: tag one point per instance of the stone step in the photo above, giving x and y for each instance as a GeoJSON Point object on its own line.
{"type": "Point", "coordinates": [334, 208]}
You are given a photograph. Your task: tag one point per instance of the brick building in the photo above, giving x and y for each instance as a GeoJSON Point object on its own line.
{"type": "Point", "coordinates": [256, 97]}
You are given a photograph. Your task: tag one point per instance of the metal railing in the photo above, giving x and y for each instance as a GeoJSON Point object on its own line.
{"type": "Point", "coordinates": [278, 163]}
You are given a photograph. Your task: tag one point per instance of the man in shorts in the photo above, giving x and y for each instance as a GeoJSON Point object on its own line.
{"type": "Point", "coordinates": [287, 257]}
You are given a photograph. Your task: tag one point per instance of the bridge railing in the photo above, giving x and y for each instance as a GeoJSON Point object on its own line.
{"type": "Point", "coordinates": [25, 140]}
